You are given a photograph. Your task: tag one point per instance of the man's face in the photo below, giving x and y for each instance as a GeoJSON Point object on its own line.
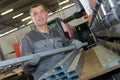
{"type": "Point", "coordinates": [39, 16]}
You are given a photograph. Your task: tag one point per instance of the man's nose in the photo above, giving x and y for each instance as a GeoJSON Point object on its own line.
{"type": "Point", "coordinates": [39, 14]}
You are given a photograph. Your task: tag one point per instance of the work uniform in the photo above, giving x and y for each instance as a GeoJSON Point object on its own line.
{"type": "Point", "coordinates": [36, 42]}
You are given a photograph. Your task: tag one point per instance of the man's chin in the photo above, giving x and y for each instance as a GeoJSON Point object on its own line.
{"type": "Point", "coordinates": [42, 24]}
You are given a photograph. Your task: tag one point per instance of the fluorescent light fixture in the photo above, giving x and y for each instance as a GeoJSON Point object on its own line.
{"type": "Point", "coordinates": [63, 2]}
{"type": "Point", "coordinates": [25, 18]}
{"type": "Point", "coordinates": [50, 14]}
{"type": "Point", "coordinates": [58, 10]}
{"type": "Point", "coordinates": [68, 6]}
{"type": "Point", "coordinates": [30, 22]}
{"type": "Point", "coordinates": [65, 7]}
{"type": "Point", "coordinates": [6, 12]}
{"type": "Point", "coordinates": [17, 15]}
{"type": "Point", "coordinates": [8, 32]}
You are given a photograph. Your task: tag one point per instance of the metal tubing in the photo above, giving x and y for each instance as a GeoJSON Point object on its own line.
{"type": "Point", "coordinates": [95, 10]}
{"type": "Point", "coordinates": [29, 57]}
{"type": "Point", "coordinates": [113, 17]}
{"type": "Point", "coordinates": [73, 70]}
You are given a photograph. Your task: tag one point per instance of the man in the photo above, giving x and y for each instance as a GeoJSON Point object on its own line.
{"type": "Point", "coordinates": [41, 39]}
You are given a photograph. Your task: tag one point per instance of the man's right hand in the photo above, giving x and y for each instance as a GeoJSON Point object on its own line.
{"type": "Point", "coordinates": [34, 61]}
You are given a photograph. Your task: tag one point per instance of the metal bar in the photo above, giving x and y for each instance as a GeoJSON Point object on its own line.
{"type": "Point", "coordinates": [63, 63]}
{"type": "Point", "coordinates": [57, 70]}
{"type": "Point", "coordinates": [48, 76]}
{"type": "Point", "coordinates": [60, 73]}
{"type": "Point", "coordinates": [78, 5]}
{"type": "Point", "coordinates": [111, 3]}
{"type": "Point", "coordinates": [61, 68]}
{"type": "Point", "coordinates": [74, 69]}
{"type": "Point", "coordinates": [95, 10]}
{"type": "Point", "coordinates": [42, 54]}
{"type": "Point", "coordinates": [106, 57]}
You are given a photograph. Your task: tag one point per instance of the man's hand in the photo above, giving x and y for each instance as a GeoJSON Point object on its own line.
{"type": "Point", "coordinates": [30, 66]}
{"type": "Point", "coordinates": [35, 60]}
{"type": "Point", "coordinates": [78, 44]}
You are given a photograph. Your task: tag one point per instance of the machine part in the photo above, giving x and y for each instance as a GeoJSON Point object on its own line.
{"type": "Point", "coordinates": [85, 34]}
{"type": "Point", "coordinates": [76, 15]}
{"type": "Point", "coordinates": [42, 54]}
{"type": "Point", "coordinates": [106, 57]}
{"type": "Point", "coordinates": [78, 5]}
{"type": "Point", "coordinates": [48, 76]}
{"type": "Point", "coordinates": [103, 9]}
{"type": "Point", "coordinates": [111, 3]}
{"type": "Point", "coordinates": [60, 69]}
{"type": "Point", "coordinates": [74, 70]}
{"type": "Point", "coordinates": [95, 10]}
{"type": "Point", "coordinates": [113, 17]}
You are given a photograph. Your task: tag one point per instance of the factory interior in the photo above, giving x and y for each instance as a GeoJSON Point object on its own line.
{"type": "Point", "coordinates": [95, 23]}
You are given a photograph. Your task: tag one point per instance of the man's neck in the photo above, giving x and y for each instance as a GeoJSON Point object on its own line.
{"type": "Point", "coordinates": [43, 29]}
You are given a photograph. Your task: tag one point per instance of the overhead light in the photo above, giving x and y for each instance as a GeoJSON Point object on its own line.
{"type": "Point", "coordinates": [30, 22]}
{"type": "Point", "coordinates": [50, 14]}
{"type": "Point", "coordinates": [65, 7]}
{"type": "Point", "coordinates": [6, 12]}
{"type": "Point", "coordinates": [58, 10]}
{"type": "Point", "coordinates": [26, 18]}
{"type": "Point", "coordinates": [8, 32]}
{"type": "Point", "coordinates": [17, 15]}
{"type": "Point", "coordinates": [63, 2]}
{"type": "Point", "coordinates": [68, 6]}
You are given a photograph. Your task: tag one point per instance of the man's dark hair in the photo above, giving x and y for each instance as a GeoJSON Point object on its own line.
{"type": "Point", "coordinates": [36, 5]}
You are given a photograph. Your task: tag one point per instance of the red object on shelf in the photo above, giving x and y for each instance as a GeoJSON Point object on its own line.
{"type": "Point", "coordinates": [69, 31]}
{"type": "Point", "coordinates": [16, 48]}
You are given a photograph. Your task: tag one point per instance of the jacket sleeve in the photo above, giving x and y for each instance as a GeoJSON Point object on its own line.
{"type": "Point", "coordinates": [26, 49]}
{"type": "Point", "coordinates": [25, 46]}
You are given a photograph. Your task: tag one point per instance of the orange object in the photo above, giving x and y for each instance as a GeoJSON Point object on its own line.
{"type": "Point", "coordinates": [69, 31]}
{"type": "Point", "coordinates": [16, 48]}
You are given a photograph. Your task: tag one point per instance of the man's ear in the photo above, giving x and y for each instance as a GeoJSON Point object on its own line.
{"type": "Point", "coordinates": [31, 19]}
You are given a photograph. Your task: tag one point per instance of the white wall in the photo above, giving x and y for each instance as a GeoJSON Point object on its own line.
{"type": "Point", "coordinates": [7, 41]}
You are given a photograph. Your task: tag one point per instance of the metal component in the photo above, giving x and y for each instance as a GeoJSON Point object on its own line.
{"type": "Point", "coordinates": [60, 69]}
{"type": "Point", "coordinates": [28, 57]}
{"type": "Point", "coordinates": [112, 18]}
{"type": "Point", "coordinates": [74, 69]}
{"type": "Point", "coordinates": [95, 10]}
{"type": "Point", "coordinates": [106, 57]}
{"type": "Point", "coordinates": [48, 76]}
{"type": "Point", "coordinates": [103, 10]}
{"type": "Point", "coordinates": [78, 5]}
{"type": "Point", "coordinates": [66, 68]}
{"type": "Point", "coordinates": [62, 64]}
{"type": "Point", "coordinates": [111, 3]}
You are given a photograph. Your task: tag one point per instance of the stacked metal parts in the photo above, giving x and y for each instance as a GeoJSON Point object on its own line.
{"type": "Point", "coordinates": [67, 69]}
{"type": "Point", "coordinates": [107, 58]}
{"type": "Point", "coordinates": [105, 24]}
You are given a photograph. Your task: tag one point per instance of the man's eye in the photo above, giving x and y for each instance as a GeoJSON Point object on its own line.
{"type": "Point", "coordinates": [42, 11]}
{"type": "Point", "coordinates": [34, 13]}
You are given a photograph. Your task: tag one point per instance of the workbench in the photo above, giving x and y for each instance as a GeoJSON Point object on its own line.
{"type": "Point", "coordinates": [92, 67]}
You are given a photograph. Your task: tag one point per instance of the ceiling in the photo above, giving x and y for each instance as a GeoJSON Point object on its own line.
{"type": "Point", "coordinates": [7, 23]}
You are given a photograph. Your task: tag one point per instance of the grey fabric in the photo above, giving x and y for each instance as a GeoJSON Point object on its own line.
{"type": "Point", "coordinates": [36, 42]}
